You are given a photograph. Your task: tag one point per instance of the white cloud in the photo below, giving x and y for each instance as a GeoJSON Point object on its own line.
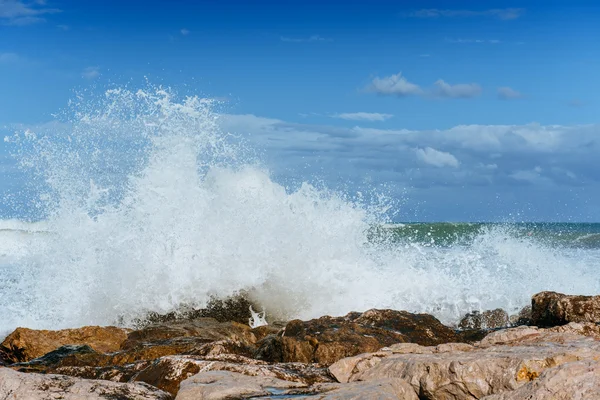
{"type": "Point", "coordinates": [398, 85]}
{"type": "Point", "coordinates": [500, 13]}
{"type": "Point", "coordinates": [16, 12]}
{"type": "Point", "coordinates": [531, 175]}
{"type": "Point", "coordinates": [313, 38]}
{"type": "Point", "coordinates": [461, 90]}
{"type": "Point", "coordinates": [394, 85]}
{"type": "Point", "coordinates": [91, 72]}
{"type": "Point", "coordinates": [184, 32]}
{"type": "Point", "coordinates": [63, 27]}
{"type": "Point", "coordinates": [6, 58]}
{"type": "Point", "coordinates": [437, 158]}
{"type": "Point", "coordinates": [507, 93]}
{"type": "Point", "coordinates": [363, 116]}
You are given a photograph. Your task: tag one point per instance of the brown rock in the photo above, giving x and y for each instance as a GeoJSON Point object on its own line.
{"type": "Point", "coordinates": [17, 385]}
{"type": "Point", "coordinates": [490, 319]}
{"type": "Point", "coordinates": [571, 381]}
{"type": "Point", "coordinates": [203, 329]}
{"type": "Point", "coordinates": [235, 308]}
{"type": "Point", "coordinates": [328, 339]}
{"type": "Point", "coordinates": [423, 329]}
{"type": "Point", "coordinates": [522, 318]}
{"type": "Point", "coordinates": [552, 309]}
{"type": "Point", "coordinates": [26, 344]}
{"type": "Point", "coordinates": [167, 373]}
{"type": "Point", "coordinates": [501, 363]}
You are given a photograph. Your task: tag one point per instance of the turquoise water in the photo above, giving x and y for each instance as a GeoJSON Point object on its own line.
{"type": "Point", "coordinates": [445, 234]}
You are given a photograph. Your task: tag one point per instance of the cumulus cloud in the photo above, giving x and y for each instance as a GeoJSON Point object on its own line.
{"type": "Point", "coordinates": [436, 158]}
{"type": "Point", "coordinates": [461, 90]}
{"type": "Point", "coordinates": [91, 72]}
{"type": "Point", "coordinates": [500, 13]}
{"type": "Point", "coordinates": [16, 12]}
{"type": "Point", "coordinates": [398, 85]}
{"type": "Point", "coordinates": [313, 38]}
{"type": "Point", "coordinates": [363, 116]}
{"type": "Point", "coordinates": [507, 93]}
{"type": "Point", "coordinates": [394, 85]}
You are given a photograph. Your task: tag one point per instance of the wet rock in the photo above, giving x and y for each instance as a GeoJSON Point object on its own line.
{"type": "Point", "coordinates": [121, 373]}
{"type": "Point", "coordinates": [5, 357]}
{"type": "Point", "coordinates": [167, 373]}
{"type": "Point", "coordinates": [328, 339]}
{"type": "Point", "coordinates": [502, 362]}
{"type": "Point", "coordinates": [552, 309]}
{"type": "Point", "coordinates": [17, 385]}
{"type": "Point", "coordinates": [26, 344]}
{"type": "Point", "coordinates": [231, 309]}
{"type": "Point", "coordinates": [490, 319]}
{"type": "Point", "coordinates": [54, 358]}
{"type": "Point", "coordinates": [523, 317]}
{"type": "Point", "coordinates": [572, 381]}
{"type": "Point", "coordinates": [202, 329]}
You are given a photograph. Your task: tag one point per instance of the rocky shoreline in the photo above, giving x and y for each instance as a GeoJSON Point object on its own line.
{"type": "Point", "coordinates": [551, 350]}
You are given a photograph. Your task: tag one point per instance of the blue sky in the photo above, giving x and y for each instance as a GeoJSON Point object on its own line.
{"type": "Point", "coordinates": [471, 110]}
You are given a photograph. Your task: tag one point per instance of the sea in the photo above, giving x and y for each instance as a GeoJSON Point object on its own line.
{"type": "Point", "coordinates": [141, 203]}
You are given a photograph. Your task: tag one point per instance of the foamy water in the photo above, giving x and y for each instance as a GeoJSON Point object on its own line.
{"type": "Point", "coordinates": [150, 206]}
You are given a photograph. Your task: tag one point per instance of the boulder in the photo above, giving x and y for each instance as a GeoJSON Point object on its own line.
{"type": "Point", "coordinates": [523, 317]}
{"type": "Point", "coordinates": [490, 319]}
{"type": "Point", "coordinates": [571, 381]}
{"type": "Point", "coordinates": [502, 362]}
{"type": "Point", "coordinates": [204, 330]}
{"type": "Point", "coordinates": [327, 339]}
{"type": "Point", "coordinates": [167, 373]}
{"type": "Point", "coordinates": [551, 309]}
{"type": "Point", "coordinates": [26, 344]}
{"type": "Point", "coordinates": [387, 389]}
{"type": "Point", "coordinates": [18, 385]}
{"type": "Point", "coordinates": [224, 385]}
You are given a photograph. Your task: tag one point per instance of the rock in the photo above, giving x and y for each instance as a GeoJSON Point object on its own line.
{"type": "Point", "coordinates": [502, 362]}
{"type": "Point", "coordinates": [203, 329]}
{"type": "Point", "coordinates": [231, 309]}
{"type": "Point", "coordinates": [18, 385]}
{"type": "Point", "coordinates": [223, 385]}
{"type": "Point", "coordinates": [5, 357]}
{"type": "Point", "coordinates": [387, 389]}
{"type": "Point", "coordinates": [327, 339]}
{"type": "Point", "coordinates": [167, 373]}
{"type": "Point", "coordinates": [551, 309]}
{"type": "Point", "coordinates": [43, 363]}
{"type": "Point", "coordinates": [423, 329]}
{"type": "Point", "coordinates": [26, 344]}
{"type": "Point", "coordinates": [571, 381]}
{"type": "Point", "coordinates": [490, 319]}
{"type": "Point", "coordinates": [522, 318]}
{"type": "Point", "coordinates": [217, 385]}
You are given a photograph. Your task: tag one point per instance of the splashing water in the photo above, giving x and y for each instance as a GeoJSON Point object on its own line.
{"type": "Point", "coordinates": [148, 205]}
